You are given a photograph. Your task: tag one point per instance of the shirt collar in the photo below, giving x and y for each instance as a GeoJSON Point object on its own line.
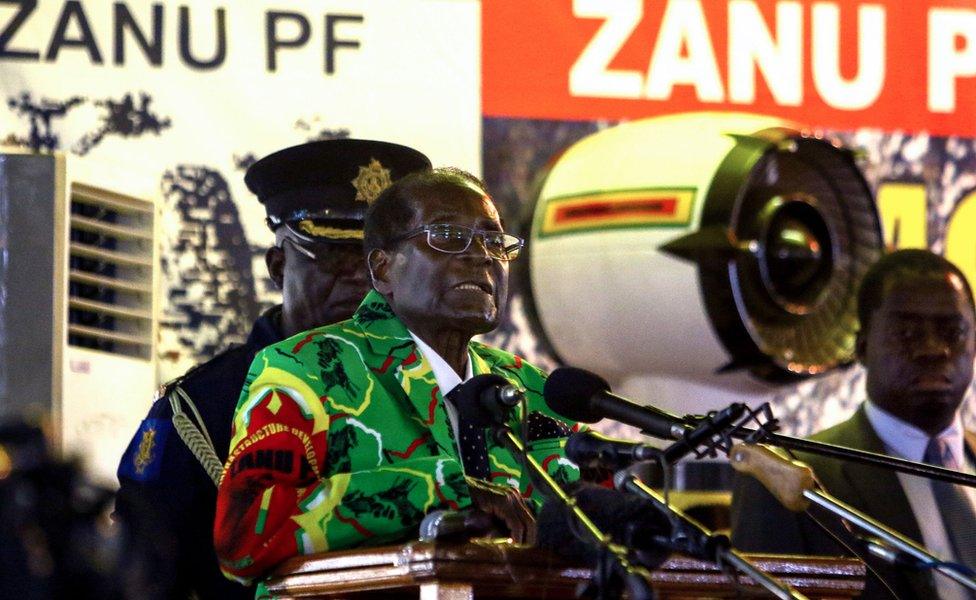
{"type": "Point", "coordinates": [907, 441]}
{"type": "Point", "coordinates": [447, 377]}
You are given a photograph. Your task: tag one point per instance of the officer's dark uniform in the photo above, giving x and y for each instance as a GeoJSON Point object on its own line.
{"type": "Point", "coordinates": [168, 474]}
{"type": "Point", "coordinates": [170, 493]}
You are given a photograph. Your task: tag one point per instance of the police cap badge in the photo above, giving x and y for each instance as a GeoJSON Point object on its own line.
{"type": "Point", "coordinates": [322, 189]}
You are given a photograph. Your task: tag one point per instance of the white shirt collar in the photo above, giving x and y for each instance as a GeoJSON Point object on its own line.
{"type": "Point", "coordinates": [447, 378]}
{"type": "Point", "coordinates": [907, 441]}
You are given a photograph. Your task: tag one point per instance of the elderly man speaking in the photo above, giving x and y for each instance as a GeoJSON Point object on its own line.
{"type": "Point", "coordinates": [342, 436]}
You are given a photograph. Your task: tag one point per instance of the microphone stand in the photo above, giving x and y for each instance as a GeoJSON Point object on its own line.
{"type": "Point", "coordinates": [583, 396]}
{"type": "Point", "coordinates": [850, 454]}
{"type": "Point", "coordinates": [637, 578]}
{"type": "Point", "coordinates": [789, 481]}
{"type": "Point", "coordinates": [488, 401]}
{"type": "Point", "coordinates": [692, 538]}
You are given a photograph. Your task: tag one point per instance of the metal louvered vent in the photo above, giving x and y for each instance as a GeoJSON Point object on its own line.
{"type": "Point", "coordinates": [110, 290]}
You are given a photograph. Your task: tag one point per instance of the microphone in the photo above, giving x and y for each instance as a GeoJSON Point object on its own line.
{"type": "Point", "coordinates": [485, 395]}
{"type": "Point", "coordinates": [688, 536]}
{"type": "Point", "coordinates": [624, 517]}
{"type": "Point", "coordinates": [704, 432]}
{"type": "Point", "coordinates": [591, 449]}
{"type": "Point", "coordinates": [506, 395]}
{"type": "Point", "coordinates": [582, 396]}
{"type": "Point", "coordinates": [485, 400]}
{"type": "Point", "coordinates": [441, 524]}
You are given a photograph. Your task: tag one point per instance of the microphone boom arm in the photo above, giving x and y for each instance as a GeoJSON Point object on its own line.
{"type": "Point", "coordinates": [635, 575]}
{"type": "Point", "coordinates": [723, 551]}
{"type": "Point", "coordinates": [854, 455]}
{"type": "Point", "coordinates": [583, 396]}
{"type": "Point", "coordinates": [788, 480]}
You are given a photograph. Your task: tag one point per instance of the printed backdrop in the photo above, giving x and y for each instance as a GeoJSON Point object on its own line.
{"type": "Point", "coordinates": [894, 80]}
{"type": "Point", "coordinates": [172, 101]}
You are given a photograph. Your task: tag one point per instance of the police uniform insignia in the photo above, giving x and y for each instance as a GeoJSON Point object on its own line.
{"type": "Point", "coordinates": [147, 445]}
{"type": "Point", "coordinates": [143, 457]}
{"type": "Point", "coordinates": [371, 181]}
{"type": "Point", "coordinates": [319, 230]}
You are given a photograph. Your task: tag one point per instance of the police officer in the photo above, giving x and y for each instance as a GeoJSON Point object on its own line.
{"type": "Point", "coordinates": [316, 196]}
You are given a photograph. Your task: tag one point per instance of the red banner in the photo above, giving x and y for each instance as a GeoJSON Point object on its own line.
{"type": "Point", "coordinates": [891, 64]}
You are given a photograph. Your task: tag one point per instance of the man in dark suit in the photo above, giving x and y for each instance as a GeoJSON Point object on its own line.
{"type": "Point", "coordinates": [917, 345]}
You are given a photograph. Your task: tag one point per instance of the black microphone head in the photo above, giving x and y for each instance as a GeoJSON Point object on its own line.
{"type": "Point", "coordinates": [583, 449]}
{"type": "Point", "coordinates": [568, 392]}
{"type": "Point", "coordinates": [628, 519]}
{"type": "Point", "coordinates": [593, 450]}
{"type": "Point", "coordinates": [473, 398]}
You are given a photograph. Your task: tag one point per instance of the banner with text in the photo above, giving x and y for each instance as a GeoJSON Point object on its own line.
{"type": "Point", "coordinates": [567, 84]}
{"type": "Point", "coordinates": [172, 101]}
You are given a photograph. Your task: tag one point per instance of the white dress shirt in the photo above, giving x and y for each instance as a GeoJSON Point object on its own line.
{"type": "Point", "coordinates": [904, 440]}
{"type": "Point", "coordinates": [447, 379]}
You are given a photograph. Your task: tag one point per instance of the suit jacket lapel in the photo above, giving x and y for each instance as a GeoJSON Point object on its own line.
{"type": "Point", "coordinates": [479, 366]}
{"type": "Point", "coordinates": [879, 490]}
{"type": "Point", "coordinates": [882, 496]}
{"type": "Point", "coordinates": [417, 380]}
{"type": "Point", "coordinates": [402, 368]}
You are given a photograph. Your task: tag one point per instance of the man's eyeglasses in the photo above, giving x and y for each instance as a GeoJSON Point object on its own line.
{"type": "Point", "coordinates": [455, 239]}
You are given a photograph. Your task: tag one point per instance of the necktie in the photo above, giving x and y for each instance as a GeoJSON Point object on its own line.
{"type": "Point", "coordinates": [472, 442]}
{"type": "Point", "coordinates": [955, 507]}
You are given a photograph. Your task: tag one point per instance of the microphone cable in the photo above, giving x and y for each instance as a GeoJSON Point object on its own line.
{"type": "Point", "coordinates": [849, 548]}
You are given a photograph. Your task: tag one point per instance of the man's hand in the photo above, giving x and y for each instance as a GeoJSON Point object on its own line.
{"type": "Point", "coordinates": [505, 505]}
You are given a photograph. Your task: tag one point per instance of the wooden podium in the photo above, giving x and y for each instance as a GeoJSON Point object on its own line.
{"type": "Point", "coordinates": [500, 570]}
